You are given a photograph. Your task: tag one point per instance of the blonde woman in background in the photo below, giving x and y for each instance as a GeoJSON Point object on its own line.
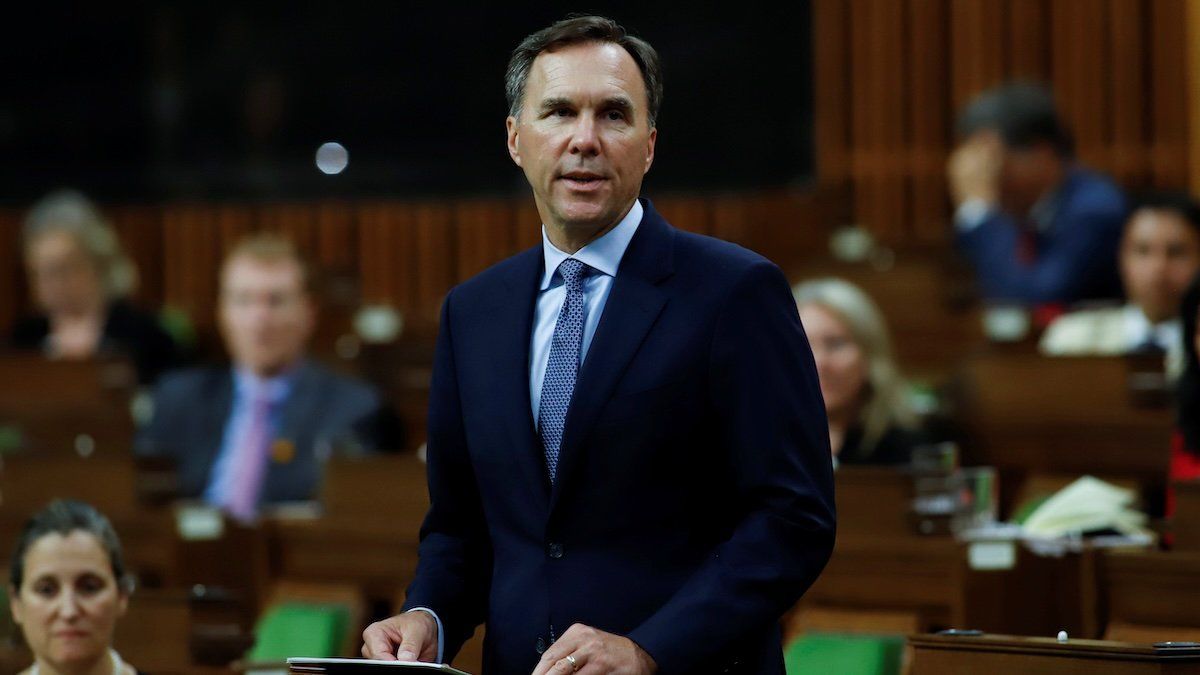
{"type": "Point", "coordinates": [870, 421]}
{"type": "Point", "coordinates": [80, 281]}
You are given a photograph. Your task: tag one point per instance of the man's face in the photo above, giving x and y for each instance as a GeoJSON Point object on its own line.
{"type": "Point", "coordinates": [583, 137]}
{"type": "Point", "coordinates": [1160, 254]}
{"type": "Point", "coordinates": [1027, 174]}
{"type": "Point", "coordinates": [266, 315]}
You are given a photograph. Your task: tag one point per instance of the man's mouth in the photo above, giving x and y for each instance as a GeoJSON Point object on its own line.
{"type": "Point", "coordinates": [582, 178]}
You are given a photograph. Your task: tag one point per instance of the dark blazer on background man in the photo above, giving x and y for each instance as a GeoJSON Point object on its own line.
{"type": "Point", "coordinates": [694, 501]}
{"type": "Point", "coordinates": [323, 413]}
{"type": "Point", "coordinates": [1076, 246]}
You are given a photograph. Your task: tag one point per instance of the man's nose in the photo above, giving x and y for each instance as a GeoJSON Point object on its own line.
{"type": "Point", "coordinates": [584, 140]}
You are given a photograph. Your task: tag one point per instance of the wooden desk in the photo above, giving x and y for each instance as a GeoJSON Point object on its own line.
{"type": "Point", "coordinates": [879, 560]}
{"type": "Point", "coordinates": [1185, 523]}
{"type": "Point", "coordinates": [52, 403]}
{"type": "Point", "coordinates": [1030, 414]}
{"type": "Point", "coordinates": [1152, 595]}
{"type": "Point", "coordinates": [992, 654]}
{"type": "Point", "coordinates": [374, 507]}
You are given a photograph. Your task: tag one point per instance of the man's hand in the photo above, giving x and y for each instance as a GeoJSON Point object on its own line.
{"type": "Point", "coordinates": [411, 636]}
{"type": "Point", "coordinates": [595, 653]}
{"type": "Point", "coordinates": [973, 170]}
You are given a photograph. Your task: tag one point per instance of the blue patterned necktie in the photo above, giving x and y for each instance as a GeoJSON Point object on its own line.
{"type": "Point", "coordinates": [563, 364]}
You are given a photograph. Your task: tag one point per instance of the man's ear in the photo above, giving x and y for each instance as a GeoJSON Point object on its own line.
{"type": "Point", "coordinates": [514, 139]}
{"type": "Point", "coordinates": [650, 148]}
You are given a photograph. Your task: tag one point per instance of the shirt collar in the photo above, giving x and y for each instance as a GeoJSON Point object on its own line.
{"type": "Point", "coordinates": [1139, 329]}
{"type": "Point", "coordinates": [247, 384]}
{"type": "Point", "coordinates": [603, 254]}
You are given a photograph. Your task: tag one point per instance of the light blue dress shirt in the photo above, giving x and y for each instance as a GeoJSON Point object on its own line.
{"type": "Point", "coordinates": [240, 410]}
{"type": "Point", "coordinates": [604, 257]}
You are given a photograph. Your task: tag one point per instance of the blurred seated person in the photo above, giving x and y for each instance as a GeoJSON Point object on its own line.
{"type": "Point", "coordinates": [258, 430]}
{"type": "Point", "coordinates": [1185, 443]}
{"type": "Point", "coordinates": [67, 589]}
{"type": "Point", "coordinates": [1040, 229]}
{"type": "Point", "coordinates": [1160, 254]}
{"type": "Point", "coordinates": [80, 282]}
{"type": "Point", "coordinates": [870, 421]}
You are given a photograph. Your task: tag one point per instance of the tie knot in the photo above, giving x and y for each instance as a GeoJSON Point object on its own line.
{"type": "Point", "coordinates": [572, 272]}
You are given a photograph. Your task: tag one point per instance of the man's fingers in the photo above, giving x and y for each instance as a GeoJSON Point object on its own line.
{"type": "Point", "coordinates": [381, 638]}
{"type": "Point", "coordinates": [415, 641]}
{"type": "Point", "coordinates": [376, 644]}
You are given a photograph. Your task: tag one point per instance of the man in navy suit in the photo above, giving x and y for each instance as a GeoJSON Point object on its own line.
{"type": "Point", "coordinates": [629, 464]}
{"type": "Point", "coordinates": [258, 432]}
{"type": "Point", "coordinates": [1038, 227]}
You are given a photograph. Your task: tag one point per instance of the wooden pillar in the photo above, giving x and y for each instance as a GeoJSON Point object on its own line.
{"type": "Point", "coordinates": [1192, 78]}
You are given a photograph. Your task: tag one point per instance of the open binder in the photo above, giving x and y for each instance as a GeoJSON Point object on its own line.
{"type": "Point", "coordinates": [367, 667]}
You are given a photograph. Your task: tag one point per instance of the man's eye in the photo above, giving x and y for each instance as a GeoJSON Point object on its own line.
{"type": "Point", "coordinates": [562, 112]}
{"type": "Point", "coordinates": [616, 115]}
{"type": "Point", "coordinates": [46, 589]}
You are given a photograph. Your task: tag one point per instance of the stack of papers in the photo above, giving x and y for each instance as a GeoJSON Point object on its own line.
{"type": "Point", "coordinates": [1087, 505]}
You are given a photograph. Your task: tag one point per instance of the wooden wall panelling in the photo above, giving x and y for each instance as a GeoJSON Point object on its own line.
{"type": "Point", "coordinates": [374, 249]}
{"type": "Point", "coordinates": [686, 213]}
{"type": "Point", "coordinates": [433, 259]}
{"type": "Point", "coordinates": [831, 132]}
{"type": "Point", "coordinates": [1168, 93]}
{"type": "Point", "coordinates": [1127, 104]}
{"type": "Point", "coordinates": [139, 229]}
{"type": "Point", "coordinates": [1028, 45]}
{"type": "Point", "coordinates": [527, 224]}
{"type": "Point", "coordinates": [976, 48]}
{"type": "Point", "coordinates": [336, 234]}
{"type": "Point", "coordinates": [1079, 69]}
{"type": "Point", "coordinates": [877, 122]}
{"type": "Point", "coordinates": [1192, 76]}
{"type": "Point", "coordinates": [484, 233]}
{"type": "Point", "coordinates": [929, 116]}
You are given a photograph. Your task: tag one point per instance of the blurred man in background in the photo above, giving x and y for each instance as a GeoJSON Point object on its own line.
{"type": "Point", "coordinates": [258, 432]}
{"type": "Point", "coordinates": [1039, 229]}
{"type": "Point", "coordinates": [1160, 255]}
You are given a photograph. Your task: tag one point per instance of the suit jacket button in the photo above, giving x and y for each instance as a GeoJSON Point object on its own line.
{"type": "Point", "coordinates": [541, 646]}
{"type": "Point", "coordinates": [555, 550]}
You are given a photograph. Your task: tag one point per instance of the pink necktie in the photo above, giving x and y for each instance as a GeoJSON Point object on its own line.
{"type": "Point", "coordinates": [251, 459]}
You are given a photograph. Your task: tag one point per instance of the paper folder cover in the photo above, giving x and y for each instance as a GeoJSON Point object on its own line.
{"type": "Point", "coordinates": [366, 667]}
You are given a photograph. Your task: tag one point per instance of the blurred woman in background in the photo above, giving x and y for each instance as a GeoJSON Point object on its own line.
{"type": "Point", "coordinates": [67, 588]}
{"type": "Point", "coordinates": [870, 421]}
{"type": "Point", "coordinates": [80, 281]}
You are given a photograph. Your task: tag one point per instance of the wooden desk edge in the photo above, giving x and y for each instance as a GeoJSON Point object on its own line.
{"type": "Point", "coordinates": [1098, 649]}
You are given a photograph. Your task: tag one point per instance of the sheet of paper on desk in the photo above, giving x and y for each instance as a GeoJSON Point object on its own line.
{"type": "Point", "coordinates": [366, 667]}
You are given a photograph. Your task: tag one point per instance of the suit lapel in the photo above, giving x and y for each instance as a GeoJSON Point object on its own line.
{"type": "Point", "coordinates": [216, 417]}
{"type": "Point", "coordinates": [511, 322]}
{"type": "Point", "coordinates": [633, 305]}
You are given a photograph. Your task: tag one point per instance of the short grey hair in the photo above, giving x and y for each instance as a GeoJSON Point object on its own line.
{"type": "Point", "coordinates": [579, 30]}
{"type": "Point", "coordinates": [884, 404]}
{"type": "Point", "coordinates": [69, 211]}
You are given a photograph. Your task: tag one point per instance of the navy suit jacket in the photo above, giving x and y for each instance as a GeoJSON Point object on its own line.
{"type": "Point", "coordinates": [1076, 255]}
{"type": "Point", "coordinates": [694, 498]}
{"type": "Point", "coordinates": [322, 410]}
